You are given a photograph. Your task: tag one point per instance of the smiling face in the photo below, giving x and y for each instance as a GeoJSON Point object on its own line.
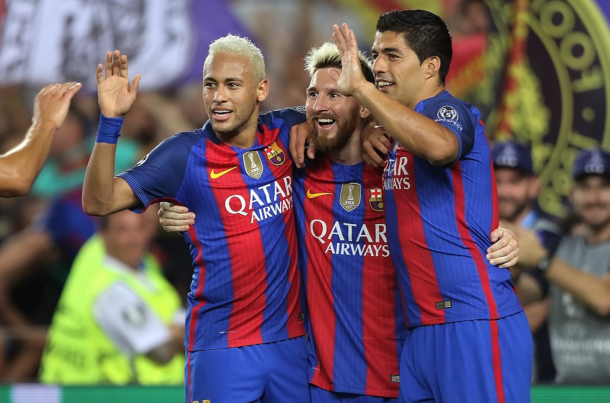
{"type": "Point", "coordinates": [591, 200]}
{"type": "Point", "coordinates": [231, 95]}
{"type": "Point", "coordinates": [515, 190]}
{"type": "Point", "coordinates": [332, 116]}
{"type": "Point", "coordinates": [127, 235]}
{"type": "Point", "coordinates": [397, 69]}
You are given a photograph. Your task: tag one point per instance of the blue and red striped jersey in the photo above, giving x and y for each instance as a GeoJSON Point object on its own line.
{"type": "Point", "coordinates": [439, 224]}
{"type": "Point", "coordinates": [355, 318]}
{"type": "Point", "coordinates": [245, 287]}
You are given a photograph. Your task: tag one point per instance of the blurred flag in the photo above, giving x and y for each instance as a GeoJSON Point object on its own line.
{"type": "Point", "coordinates": [368, 11]}
{"type": "Point", "coordinates": [47, 41]}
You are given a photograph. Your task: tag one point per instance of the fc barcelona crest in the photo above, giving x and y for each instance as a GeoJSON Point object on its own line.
{"type": "Point", "coordinates": [275, 154]}
{"type": "Point", "coordinates": [253, 164]}
{"type": "Point", "coordinates": [351, 194]}
{"type": "Point", "coordinates": [376, 199]}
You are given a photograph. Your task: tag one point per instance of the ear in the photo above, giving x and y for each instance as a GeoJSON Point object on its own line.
{"type": "Point", "coordinates": [432, 66]}
{"type": "Point", "coordinates": [364, 113]}
{"type": "Point", "coordinates": [262, 90]}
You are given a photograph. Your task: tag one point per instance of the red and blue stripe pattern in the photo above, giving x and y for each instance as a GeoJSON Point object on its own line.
{"type": "Point", "coordinates": [439, 223]}
{"type": "Point", "coordinates": [245, 287]}
{"type": "Point", "coordinates": [356, 324]}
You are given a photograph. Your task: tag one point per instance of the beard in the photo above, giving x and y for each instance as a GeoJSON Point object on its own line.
{"type": "Point", "coordinates": [344, 130]}
{"type": "Point", "coordinates": [596, 223]}
{"type": "Point", "coordinates": [516, 208]}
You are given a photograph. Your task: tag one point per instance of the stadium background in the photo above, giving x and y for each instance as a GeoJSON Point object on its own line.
{"type": "Point", "coordinates": [537, 69]}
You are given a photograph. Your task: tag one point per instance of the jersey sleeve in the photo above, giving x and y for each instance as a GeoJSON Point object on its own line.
{"type": "Point", "coordinates": [128, 321]}
{"type": "Point", "coordinates": [456, 116]}
{"type": "Point", "coordinates": [159, 175]}
{"type": "Point", "coordinates": [291, 116]}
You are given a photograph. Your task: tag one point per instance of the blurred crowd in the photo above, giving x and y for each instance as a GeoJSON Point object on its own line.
{"type": "Point", "coordinates": [41, 233]}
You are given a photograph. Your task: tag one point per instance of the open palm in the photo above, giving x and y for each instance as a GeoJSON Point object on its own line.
{"type": "Point", "coordinates": [115, 94]}
{"type": "Point", "coordinates": [350, 78]}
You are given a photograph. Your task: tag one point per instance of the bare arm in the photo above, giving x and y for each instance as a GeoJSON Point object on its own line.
{"type": "Point", "coordinates": [165, 352]}
{"type": "Point", "coordinates": [103, 193]}
{"type": "Point", "coordinates": [415, 132]}
{"type": "Point", "coordinates": [591, 290]}
{"type": "Point", "coordinates": [20, 253]}
{"type": "Point", "coordinates": [20, 166]}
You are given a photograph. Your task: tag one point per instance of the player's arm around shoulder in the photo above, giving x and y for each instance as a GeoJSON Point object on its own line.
{"type": "Point", "coordinates": [417, 132]}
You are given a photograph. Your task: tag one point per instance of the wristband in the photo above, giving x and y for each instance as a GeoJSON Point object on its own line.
{"type": "Point", "coordinates": [109, 130]}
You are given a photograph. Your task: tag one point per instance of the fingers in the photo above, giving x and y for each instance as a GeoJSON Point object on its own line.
{"type": "Point", "coordinates": [339, 39]}
{"type": "Point", "coordinates": [135, 84]}
{"type": "Point", "coordinates": [381, 144]}
{"type": "Point", "coordinates": [60, 90]}
{"type": "Point", "coordinates": [71, 89]}
{"type": "Point", "coordinates": [370, 155]}
{"type": "Point", "coordinates": [116, 63]}
{"type": "Point", "coordinates": [495, 235]}
{"type": "Point", "coordinates": [506, 261]}
{"type": "Point", "coordinates": [108, 64]}
{"type": "Point", "coordinates": [311, 151]}
{"type": "Point", "coordinates": [499, 244]}
{"type": "Point", "coordinates": [124, 71]}
{"type": "Point", "coordinates": [175, 218]}
{"type": "Point", "coordinates": [505, 252]}
{"type": "Point", "coordinates": [98, 73]}
{"type": "Point", "coordinates": [175, 228]}
{"type": "Point", "coordinates": [176, 208]}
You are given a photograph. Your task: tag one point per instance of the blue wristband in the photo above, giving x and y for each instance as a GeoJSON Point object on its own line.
{"type": "Point", "coordinates": [109, 130]}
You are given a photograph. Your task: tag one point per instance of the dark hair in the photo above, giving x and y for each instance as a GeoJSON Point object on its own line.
{"type": "Point", "coordinates": [425, 32]}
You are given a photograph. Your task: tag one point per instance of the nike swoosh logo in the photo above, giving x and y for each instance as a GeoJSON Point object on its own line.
{"type": "Point", "coordinates": [314, 195]}
{"type": "Point", "coordinates": [215, 175]}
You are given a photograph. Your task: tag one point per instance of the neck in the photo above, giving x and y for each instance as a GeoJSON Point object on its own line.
{"type": "Point", "coordinates": [428, 91]}
{"type": "Point", "coordinates": [520, 217]}
{"type": "Point", "coordinates": [350, 153]}
{"type": "Point", "coordinates": [243, 136]}
{"type": "Point", "coordinates": [598, 235]}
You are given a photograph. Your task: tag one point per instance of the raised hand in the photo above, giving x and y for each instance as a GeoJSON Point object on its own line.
{"type": "Point", "coordinates": [52, 103]}
{"type": "Point", "coordinates": [114, 93]}
{"type": "Point", "coordinates": [351, 77]}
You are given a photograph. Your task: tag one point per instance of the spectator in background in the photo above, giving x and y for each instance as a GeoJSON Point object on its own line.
{"type": "Point", "coordinates": [118, 320]}
{"type": "Point", "coordinates": [517, 189]}
{"type": "Point", "coordinates": [20, 166]}
{"type": "Point", "coordinates": [579, 274]}
{"type": "Point", "coordinates": [51, 241]}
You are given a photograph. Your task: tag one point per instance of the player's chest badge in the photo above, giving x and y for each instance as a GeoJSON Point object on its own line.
{"type": "Point", "coordinates": [253, 164]}
{"type": "Point", "coordinates": [275, 154]}
{"type": "Point", "coordinates": [351, 193]}
{"type": "Point", "coordinates": [376, 199]}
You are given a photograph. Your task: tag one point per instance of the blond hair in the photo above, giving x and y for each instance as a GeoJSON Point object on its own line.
{"type": "Point", "coordinates": [237, 45]}
{"type": "Point", "coordinates": [327, 55]}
